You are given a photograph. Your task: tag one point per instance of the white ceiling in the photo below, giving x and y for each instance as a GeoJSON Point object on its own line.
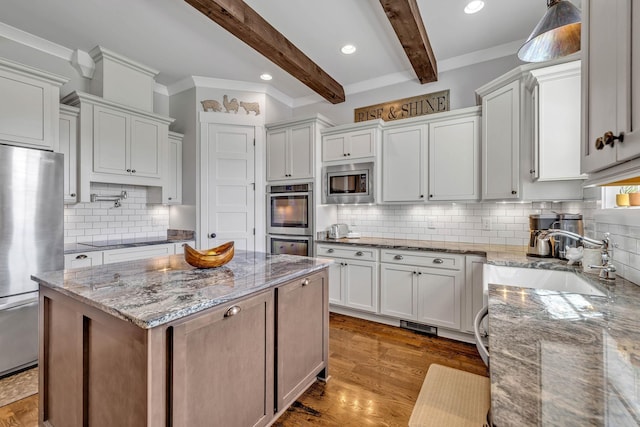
{"type": "Point", "coordinates": [177, 40]}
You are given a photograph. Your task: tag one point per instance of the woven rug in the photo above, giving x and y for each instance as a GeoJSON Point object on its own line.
{"type": "Point", "coordinates": [18, 386]}
{"type": "Point", "coordinates": [453, 398]}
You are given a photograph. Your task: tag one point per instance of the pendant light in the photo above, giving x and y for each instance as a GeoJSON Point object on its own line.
{"type": "Point", "coordinates": [557, 34]}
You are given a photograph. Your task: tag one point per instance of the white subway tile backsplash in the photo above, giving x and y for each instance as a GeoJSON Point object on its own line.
{"type": "Point", "coordinates": [87, 222]}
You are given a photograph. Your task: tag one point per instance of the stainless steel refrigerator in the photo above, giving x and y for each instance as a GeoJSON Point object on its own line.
{"type": "Point", "coordinates": [31, 240]}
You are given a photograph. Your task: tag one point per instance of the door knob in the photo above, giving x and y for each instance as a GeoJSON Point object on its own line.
{"type": "Point", "coordinates": [213, 235]}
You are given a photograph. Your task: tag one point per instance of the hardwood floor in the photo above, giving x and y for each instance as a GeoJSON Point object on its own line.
{"type": "Point", "coordinates": [376, 374]}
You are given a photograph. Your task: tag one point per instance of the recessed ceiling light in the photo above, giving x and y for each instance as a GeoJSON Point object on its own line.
{"type": "Point", "coordinates": [266, 76]}
{"type": "Point", "coordinates": [474, 6]}
{"type": "Point", "coordinates": [348, 49]}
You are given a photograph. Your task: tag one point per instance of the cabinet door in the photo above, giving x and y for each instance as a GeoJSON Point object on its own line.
{"type": "Point", "coordinates": [111, 136]}
{"type": "Point", "coordinates": [333, 147]}
{"type": "Point", "coordinates": [302, 324]}
{"type": "Point", "coordinates": [501, 142]}
{"type": "Point", "coordinates": [223, 366]}
{"type": "Point", "coordinates": [145, 147]}
{"type": "Point", "coordinates": [88, 259]}
{"type": "Point", "coordinates": [174, 172]}
{"type": "Point", "coordinates": [301, 151]}
{"type": "Point", "coordinates": [277, 155]}
{"type": "Point", "coordinates": [68, 147]}
{"type": "Point", "coordinates": [361, 144]}
{"type": "Point", "coordinates": [403, 159]}
{"type": "Point", "coordinates": [397, 291]}
{"type": "Point", "coordinates": [439, 297]}
{"type": "Point", "coordinates": [473, 292]}
{"type": "Point", "coordinates": [454, 159]}
{"type": "Point", "coordinates": [336, 283]}
{"type": "Point", "coordinates": [362, 285]}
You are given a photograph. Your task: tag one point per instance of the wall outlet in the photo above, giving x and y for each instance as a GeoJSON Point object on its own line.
{"type": "Point", "coordinates": [486, 223]}
{"type": "Point", "coordinates": [431, 223]}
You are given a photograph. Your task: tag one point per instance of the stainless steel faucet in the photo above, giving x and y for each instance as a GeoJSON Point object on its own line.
{"type": "Point", "coordinates": [607, 270]}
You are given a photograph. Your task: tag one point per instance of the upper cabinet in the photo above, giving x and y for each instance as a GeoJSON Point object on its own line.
{"type": "Point", "coordinates": [432, 158]}
{"type": "Point", "coordinates": [345, 143]}
{"type": "Point", "coordinates": [530, 133]}
{"type": "Point", "coordinates": [29, 106]}
{"type": "Point", "coordinates": [291, 148]}
{"type": "Point", "coordinates": [611, 87]}
{"type": "Point", "coordinates": [69, 147]}
{"type": "Point", "coordinates": [119, 144]}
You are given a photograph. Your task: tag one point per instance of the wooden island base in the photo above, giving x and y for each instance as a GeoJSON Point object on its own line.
{"type": "Point", "coordinates": [238, 364]}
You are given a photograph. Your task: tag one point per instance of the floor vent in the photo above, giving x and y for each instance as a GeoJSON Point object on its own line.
{"type": "Point", "coordinates": [419, 327]}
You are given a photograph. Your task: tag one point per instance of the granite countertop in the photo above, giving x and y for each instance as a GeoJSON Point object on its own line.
{"type": "Point", "coordinates": [74, 248]}
{"type": "Point", "coordinates": [152, 292]}
{"type": "Point", "coordinates": [556, 358]}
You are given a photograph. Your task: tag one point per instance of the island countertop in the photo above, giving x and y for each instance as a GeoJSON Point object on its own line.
{"type": "Point", "coordinates": [152, 292]}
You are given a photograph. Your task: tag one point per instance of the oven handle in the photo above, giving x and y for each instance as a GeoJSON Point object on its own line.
{"type": "Point", "coordinates": [299, 193]}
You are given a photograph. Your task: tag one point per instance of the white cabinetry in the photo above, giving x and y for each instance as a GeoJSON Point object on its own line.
{"type": "Point", "coordinates": [454, 157]}
{"type": "Point", "coordinates": [85, 259]}
{"type": "Point", "coordinates": [29, 111]}
{"type": "Point", "coordinates": [136, 253]}
{"type": "Point", "coordinates": [69, 147]}
{"type": "Point", "coordinates": [473, 292]}
{"type": "Point", "coordinates": [611, 89]}
{"type": "Point", "coordinates": [516, 111]}
{"type": "Point", "coordinates": [118, 144]}
{"type": "Point", "coordinates": [171, 191]}
{"type": "Point", "coordinates": [422, 286]}
{"type": "Point", "coordinates": [353, 278]}
{"type": "Point", "coordinates": [346, 143]}
{"type": "Point", "coordinates": [404, 161]}
{"type": "Point", "coordinates": [291, 148]}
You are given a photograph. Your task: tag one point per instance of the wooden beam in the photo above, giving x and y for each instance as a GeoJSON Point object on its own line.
{"type": "Point", "coordinates": [406, 21]}
{"type": "Point", "coordinates": [246, 24]}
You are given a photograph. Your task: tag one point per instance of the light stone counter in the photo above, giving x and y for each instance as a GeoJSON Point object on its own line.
{"type": "Point", "coordinates": [152, 292]}
{"type": "Point", "coordinates": [556, 359]}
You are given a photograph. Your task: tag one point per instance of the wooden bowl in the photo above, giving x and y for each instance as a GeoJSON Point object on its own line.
{"type": "Point", "coordinates": [210, 258]}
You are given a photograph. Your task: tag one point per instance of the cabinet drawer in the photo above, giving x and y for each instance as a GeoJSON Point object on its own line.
{"type": "Point", "coordinates": [349, 252]}
{"type": "Point", "coordinates": [132, 254]}
{"type": "Point", "coordinates": [423, 259]}
{"type": "Point", "coordinates": [86, 259]}
{"type": "Point", "coordinates": [179, 249]}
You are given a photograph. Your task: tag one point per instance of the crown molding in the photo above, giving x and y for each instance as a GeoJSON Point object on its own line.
{"type": "Point", "coordinates": [35, 42]}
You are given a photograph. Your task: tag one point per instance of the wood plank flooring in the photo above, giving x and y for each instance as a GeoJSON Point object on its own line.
{"type": "Point", "coordinates": [376, 374]}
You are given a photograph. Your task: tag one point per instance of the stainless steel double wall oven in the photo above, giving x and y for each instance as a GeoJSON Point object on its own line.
{"type": "Point", "coordinates": [290, 219]}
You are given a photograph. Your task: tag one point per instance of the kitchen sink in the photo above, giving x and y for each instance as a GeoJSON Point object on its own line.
{"type": "Point", "coordinates": [553, 280]}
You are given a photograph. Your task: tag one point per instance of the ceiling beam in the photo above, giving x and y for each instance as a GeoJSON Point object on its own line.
{"type": "Point", "coordinates": [406, 21]}
{"type": "Point", "coordinates": [246, 24]}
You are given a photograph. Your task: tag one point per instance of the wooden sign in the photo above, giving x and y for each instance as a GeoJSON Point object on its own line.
{"type": "Point", "coordinates": [421, 105]}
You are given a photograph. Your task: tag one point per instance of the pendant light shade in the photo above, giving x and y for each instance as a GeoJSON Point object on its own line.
{"type": "Point", "coordinates": [556, 35]}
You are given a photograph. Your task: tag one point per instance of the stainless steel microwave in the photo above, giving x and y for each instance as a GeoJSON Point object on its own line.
{"type": "Point", "coordinates": [348, 184]}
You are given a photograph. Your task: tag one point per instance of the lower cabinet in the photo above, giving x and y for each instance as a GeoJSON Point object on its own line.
{"type": "Point", "coordinates": [86, 259]}
{"type": "Point", "coordinates": [223, 366]}
{"type": "Point", "coordinates": [135, 253]}
{"type": "Point", "coordinates": [301, 336]}
{"type": "Point", "coordinates": [474, 294]}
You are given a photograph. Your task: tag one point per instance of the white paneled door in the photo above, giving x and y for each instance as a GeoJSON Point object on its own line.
{"type": "Point", "coordinates": [228, 191]}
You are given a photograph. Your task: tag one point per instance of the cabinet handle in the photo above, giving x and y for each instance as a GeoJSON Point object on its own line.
{"type": "Point", "coordinates": [532, 171]}
{"type": "Point", "coordinates": [82, 256]}
{"type": "Point", "coordinates": [170, 198]}
{"type": "Point", "coordinates": [438, 261]}
{"type": "Point", "coordinates": [415, 272]}
{"type": "Point", "coordinates": [514, 192]}
{"type": "Point", "coordinates": [232, 311]}
{"type": "Point", "coordinates": [73, 194]}
{"type": "Point", "coordinates": [359, 253]}
{"type": "Point", "coordinates": [348, 154]}
{"type": "Point", "coordinates": [430, 196]}
{"type": "Point", "coordinates": [305, 282]}
{"type": "Point", "coordinates": [398, 257]}
{"type": "Point", "coordinates": [422, 196]}
{"type": "Point", "coordinates": [330, 250]}
{"type": "Point", "coordinates": [129, 170]}
{"type": "Point", "coordinates": [344, 154]}
{"type": "Point", "coordinates": [610, 138]}
{"type": "Point", "coordinates": [133, 171]}
{"type": "Point", "coordinates": [213, 235]}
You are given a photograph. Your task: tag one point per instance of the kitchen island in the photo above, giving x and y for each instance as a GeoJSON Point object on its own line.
{"type": "Point", "coordinates": [157, 342]}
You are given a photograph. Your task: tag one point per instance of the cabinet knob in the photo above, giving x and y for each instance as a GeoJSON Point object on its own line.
{"type": "Point", "coordinates": [170, 198]}
{"type": "Point", "coordinates": [532, 171]}
{"type": "Point", "coordinates": [415, 272]}
{"type": "Point", "coordinates": [81, 256]}
{"type": "Point", "coordinates": [398, 257]}
{"type": "Point", "coordinates": [430, 196]}
{"type": "Point", "coordinates": [610, 138]}
{"type": "Point", "coordinates": [129, 170]}
{"type": "Point", "coordinates": [330, 250]}
{"type": "Point", "coordinates": [438, 261]}
{"type": "Point", "coordinates": [599, 143]}
{"type": "Point", "coordinates": [73, 194]}
{"type": "Point", "coordinates": [514, 192]}
{"type": "Point", "coordinates": [359, 253]}
{"type": "Point", "coordinates": [213, 235]}
{"type": "Point", "coordinates": [232, 311]}
{"type": "Point", "coordinates": [344, 154]}
{"type": "Point", "coordinates": [422, 196]}
{"type": "Point", "coordinates": [133, 171]}
{"type": "Point", "coordinates": [348, 154]}
{"type": "Point", "coordinates": [419, 273]}
{"type": "Point", "coordinates": [305, 282]}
